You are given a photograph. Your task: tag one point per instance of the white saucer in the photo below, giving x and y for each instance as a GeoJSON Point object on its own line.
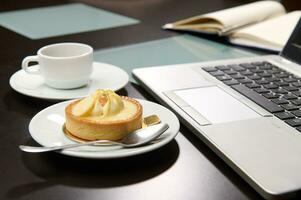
{"type": "Point", "coordinates": [46, 129]}
{"type": "Point", "coordinates": [104, 76]}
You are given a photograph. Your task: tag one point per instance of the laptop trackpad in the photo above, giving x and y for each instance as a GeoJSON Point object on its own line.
{"type": "Point", "coordinates": [216, 105]}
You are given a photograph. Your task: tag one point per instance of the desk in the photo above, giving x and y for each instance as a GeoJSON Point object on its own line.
{"type": "Point", "coordinates": [184, 169]}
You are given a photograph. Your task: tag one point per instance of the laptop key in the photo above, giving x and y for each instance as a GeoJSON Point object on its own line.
{"type": "Point", "coordinates": [222, 67]}
{"type": "Point", "coordinates": [247, 66]}
{"type": "Point", "coordinates": [231, 82]}
{"type": "Point", "coordinates": [290, 106]}
{"type": "Point", "coordinates": [290, 88]}
{"type": "Point", "coordinates": [289, 80]}
{"type": "Point", "coordinates": [272, 79]}
{"type": "Point", "coordinates": [281, 83]}
{"type": "Point", "coordinates": [258, 71]}
{"type": "Point", "coordinates": [257, 98]}
{"type": "Point", "coordinates": [262, 81]}
{"type": "Point", "coordinates": [273, 71]}
{"type": "Point", "coordinates": [297, 93]}
{"type": "Point", "coordinates": [224, 78]}
{"type": "Point", "coordinates": [271, 95]}
{"type": "Point", "coordinates": [217, 73]}
{"type": "Point", "coordinates": [267, 63]}
{"type": "Point", "coordinates": [253, 85]}
{"type": "Point", "coordinates": [237, 68]}
{"type": "Point", "coordinates": [270, 86]}
{"type": "Point", "coordinates": [296, 77]}
{"type": "Point", "coordinates": [297, 84]}
{"type": "Point", "coordinates": [294, 122]}
{"type": "Point", "coordinates": [254, 77]}
{"type": "Point", "coordinates": [282, 75]}
{"type": "Point", "coordinates": [297, 113]}
{"type": "Point", "coordinates": [230, 72]}
{"type": "Point", "coordinates": [297, 102]}
{"type": "Point", "coordinates": [280, 101]}
{"type": "Point", "coordinates": [265, 75]}
{"type": "Point", "coordinates": [261, 90]}
{"type": "Point", "coordinates": [280, 91]}
{"type": "Point", "coordinates": [244, 81]}
{"type": "Point", "coordinates": [289, 96]}
{"type": "Point", "coordinates": [265, 67]}
{"type": "Point", "coordinates": [237, 76]}
{"type": "Point", "coordinates": [247, 73]}
{"type": "Point", "coordinates": [284, 115]}
{"type": "Point", "coordinates": [209, 69]}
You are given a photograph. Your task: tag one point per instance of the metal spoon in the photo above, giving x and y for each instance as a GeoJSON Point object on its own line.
{"type": "Point", "coordinates": [136, 138]}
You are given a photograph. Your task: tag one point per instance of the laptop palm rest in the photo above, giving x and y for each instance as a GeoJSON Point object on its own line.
{"type": "Point", "coordinates": [213, 104]}
{"type": "Point", "coordinates": [243, 135]}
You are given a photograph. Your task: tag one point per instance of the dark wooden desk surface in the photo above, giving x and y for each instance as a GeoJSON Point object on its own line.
{"type": "Point", "coordinates": [184, 169]}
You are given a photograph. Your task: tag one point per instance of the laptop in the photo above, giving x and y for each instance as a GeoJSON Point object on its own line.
{"type": "Point", "coordinates": [247, 110]}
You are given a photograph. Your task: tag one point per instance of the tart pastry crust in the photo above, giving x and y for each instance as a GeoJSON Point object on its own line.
{"type": "Point", "coordinates": [88, 128]}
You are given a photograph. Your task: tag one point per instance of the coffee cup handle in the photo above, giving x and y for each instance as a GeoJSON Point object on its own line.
{"type": "Point", "coordinates": [25, 63]}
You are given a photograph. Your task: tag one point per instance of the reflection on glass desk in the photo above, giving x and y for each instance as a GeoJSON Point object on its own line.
{"type": "Point", "coordinates": [174, 50]}
{"type": "Point", "coordinates": [38, 23]}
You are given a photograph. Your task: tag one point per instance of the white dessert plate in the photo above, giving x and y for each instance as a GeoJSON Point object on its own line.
{"type": "Point", "coordinates": [104, 76]}
{"type": "Point", "coordinates": [46, 128]}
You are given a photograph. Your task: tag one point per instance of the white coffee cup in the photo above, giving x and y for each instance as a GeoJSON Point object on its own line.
{"type": "Point", "coordinates": [62, 65]}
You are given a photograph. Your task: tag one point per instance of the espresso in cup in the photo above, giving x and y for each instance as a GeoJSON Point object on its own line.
{"type": "Point", "coordinates": [63, 65]}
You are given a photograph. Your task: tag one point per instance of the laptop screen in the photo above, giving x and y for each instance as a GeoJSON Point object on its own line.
{"type": "Point", "coordinates": [292, 49]}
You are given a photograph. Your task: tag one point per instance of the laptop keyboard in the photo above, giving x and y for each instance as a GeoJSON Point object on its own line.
{"type": "Point", "coordinates": [272, 88]}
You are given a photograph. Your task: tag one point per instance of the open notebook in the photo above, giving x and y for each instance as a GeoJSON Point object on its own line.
{"type": "Point", "coordinates": [263, 24]}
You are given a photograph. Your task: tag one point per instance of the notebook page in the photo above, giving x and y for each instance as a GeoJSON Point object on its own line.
{"type": "Point", "coordinates": [246, 14]}
{"type": "Point", "coordinates": [275, 31]}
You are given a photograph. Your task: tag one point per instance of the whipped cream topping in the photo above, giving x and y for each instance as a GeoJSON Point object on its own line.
{"type": "Point", "coordinates": [102, 103]}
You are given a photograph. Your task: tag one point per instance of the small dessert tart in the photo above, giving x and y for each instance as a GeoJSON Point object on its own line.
{"type": "Point", "coordinates": [103, 115]}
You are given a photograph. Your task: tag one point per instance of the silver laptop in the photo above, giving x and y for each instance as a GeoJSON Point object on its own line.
{"type": "Point", "coordinates": [247, 110]}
